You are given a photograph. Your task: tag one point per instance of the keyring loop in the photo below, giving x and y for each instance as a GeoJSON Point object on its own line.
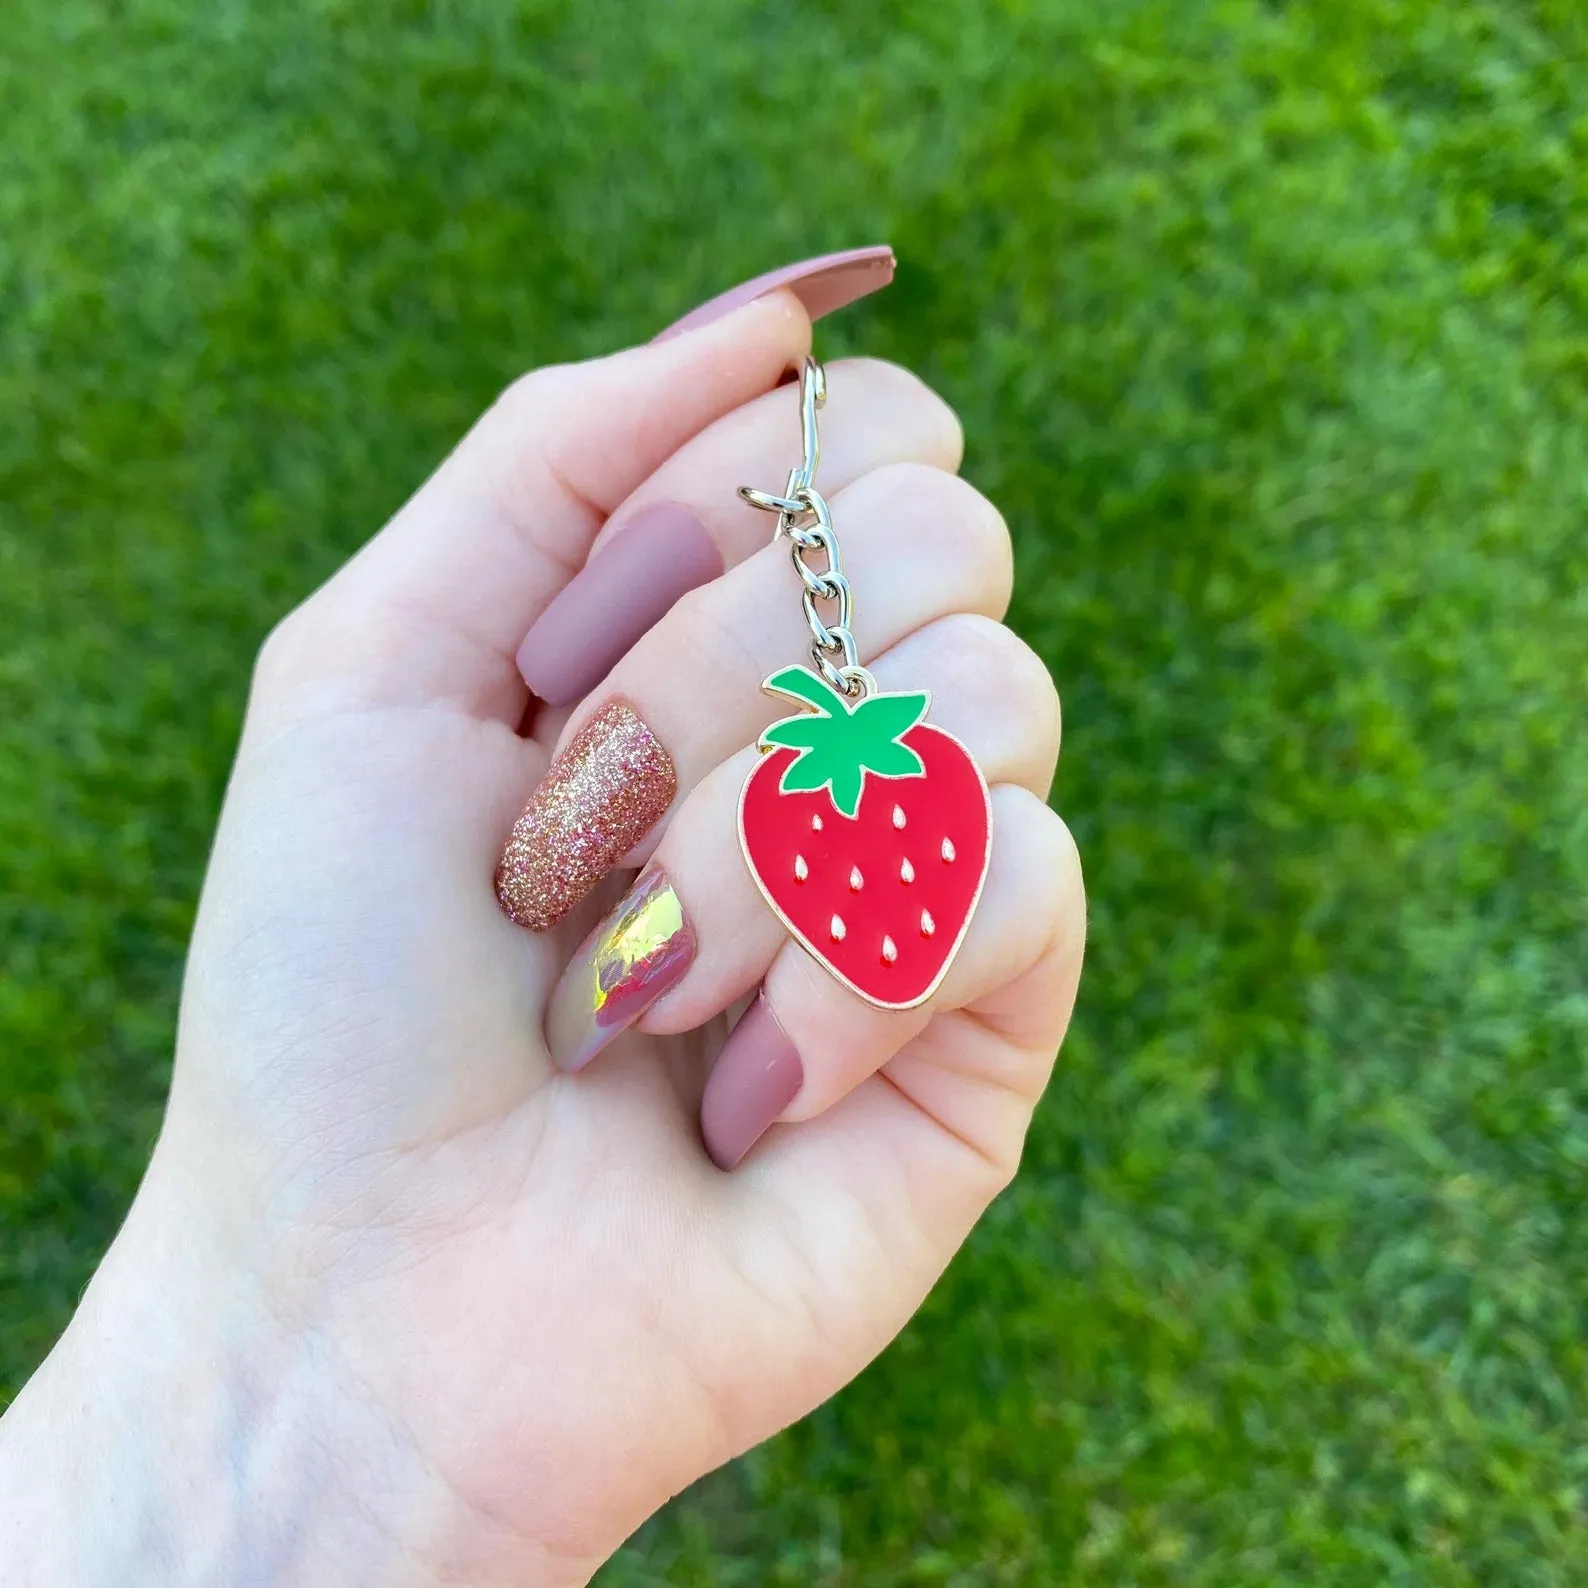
{"type": "Point", "coordinates": [786, 506]}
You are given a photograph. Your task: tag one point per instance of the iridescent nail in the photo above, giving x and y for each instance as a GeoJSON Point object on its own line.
{"type": "Point", "coordinates": [599, 798]}
{"type": "Point", "coordinates": [640, 950]}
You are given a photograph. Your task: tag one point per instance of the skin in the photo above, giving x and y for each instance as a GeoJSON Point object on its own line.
{"type": "Point", "coordinates": [398, 1303]}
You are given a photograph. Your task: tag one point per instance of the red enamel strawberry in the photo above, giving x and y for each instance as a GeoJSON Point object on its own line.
{"type": "Point", "coordinates": [868, 830]}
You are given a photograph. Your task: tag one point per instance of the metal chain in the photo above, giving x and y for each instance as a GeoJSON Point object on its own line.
{"type": "Point", "coordinates": [803, 516]}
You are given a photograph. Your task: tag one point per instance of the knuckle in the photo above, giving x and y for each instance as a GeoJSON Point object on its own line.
{"type": "Point", "coordinates": [517, 461]}
{"type": "Point", "coordinates": [321, 653]}
{"type": "Point", "coordinates": [1003, 1163]}
{"type": "Point", "coordinates": [946, 517]}
{"type": "Point", "coordinates": [1028, 682]}
{"type": "Point", "coordinates": [932, 423]}
{"type": "Point", "coordinates": [968, 646]}
{"type": "Point", "coordinates": [529, 396]}
{"type": "Point", "coordinates": [1050, 863]}
{"type": "Point", "coordinates": [1066, 858]}
{"type": "Point", "coordinates": [1055, 859]}
{"type": "Point", "coordinates": [1007, 675]}
{"type": "Point", "coordinates": [284, 653]}
{"type": "Point", "coordinates": [994, 648]}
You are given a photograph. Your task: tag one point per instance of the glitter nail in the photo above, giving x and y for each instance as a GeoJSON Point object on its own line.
{"type": "Point", "coordinates": [599, 797]}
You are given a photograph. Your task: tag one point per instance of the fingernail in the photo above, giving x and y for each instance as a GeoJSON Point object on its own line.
{"type": "Point", "coordinates": [822, 284]}
{"type": "Point", "coordinates": [756, 1076]}
{"type": "Point", "coordinates": [627, 586]}
{"type": "Point", "coordinates": [599, 797]}
{"type": "Point", "coordinates": [638, 952]}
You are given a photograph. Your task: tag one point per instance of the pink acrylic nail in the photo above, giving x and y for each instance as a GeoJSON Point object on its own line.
{"type": "Point", "coordinates": [627, 586]}
{"type": "Point", "coordinates": [756, 1076]}
{"type": "Point", "coordinates": [828, 282]}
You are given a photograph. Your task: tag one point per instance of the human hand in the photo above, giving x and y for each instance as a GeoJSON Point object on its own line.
{"type": "Point", "coordinates": [400, 1300]}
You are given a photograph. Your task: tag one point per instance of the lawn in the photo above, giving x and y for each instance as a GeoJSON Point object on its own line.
{"type": "Point", "coordinates": [1269, 327]}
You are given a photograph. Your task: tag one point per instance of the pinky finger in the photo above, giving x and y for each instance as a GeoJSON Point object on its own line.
{"type": "Point", "coordinates": [974, 1059]}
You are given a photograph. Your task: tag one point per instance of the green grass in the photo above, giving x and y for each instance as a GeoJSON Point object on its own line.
{"type": "Point", "coordinates": [1269, 326]}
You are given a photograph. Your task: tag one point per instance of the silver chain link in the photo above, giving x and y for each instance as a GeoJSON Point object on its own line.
{"type": "Point", "coordinates": [803, 516]}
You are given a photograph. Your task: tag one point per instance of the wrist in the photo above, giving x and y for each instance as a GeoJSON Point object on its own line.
{"type": "Point", "coordinates": [182, 1433]}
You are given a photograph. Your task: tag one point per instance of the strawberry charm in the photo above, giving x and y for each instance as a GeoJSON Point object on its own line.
{"type": "Point", "coordinates": [866, 828]}
{"type": "Point", "coordinates": [868, 831]}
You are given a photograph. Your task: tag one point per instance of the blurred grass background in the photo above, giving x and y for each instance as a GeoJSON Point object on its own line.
{"type": "Point", "coordinates": [1267, 323]}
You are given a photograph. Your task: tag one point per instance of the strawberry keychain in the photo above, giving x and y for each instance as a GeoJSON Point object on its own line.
{"type": "Point", "coordinates": [866, 828]}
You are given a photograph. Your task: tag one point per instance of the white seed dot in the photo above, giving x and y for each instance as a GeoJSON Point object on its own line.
{"type": "Point", "coordinates": [928, 925]}
{"type": "Point", "coordinates": [906, 871]}
{"type": "Point", "coordinates": [816, 824]}
{"type": "Point", "coordinates": [838, 930]}
{"type": "Point", "coordinates": [890, 951]}
{"type": "Point", "coordinates": [801, 870]}
{"type": "Point", "coordinates": [898, 817]}
{"type": "Point", "coordinates": [856, 881]}
{"type": "Point", "coordinates": [948, 851]}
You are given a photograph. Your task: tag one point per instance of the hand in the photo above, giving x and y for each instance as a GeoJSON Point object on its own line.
{"type": "Point", "coordinates": [399, 1300]}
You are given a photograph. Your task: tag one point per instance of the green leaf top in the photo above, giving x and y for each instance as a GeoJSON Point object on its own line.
{"type": "Point", "coordinates": [842, 742]}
